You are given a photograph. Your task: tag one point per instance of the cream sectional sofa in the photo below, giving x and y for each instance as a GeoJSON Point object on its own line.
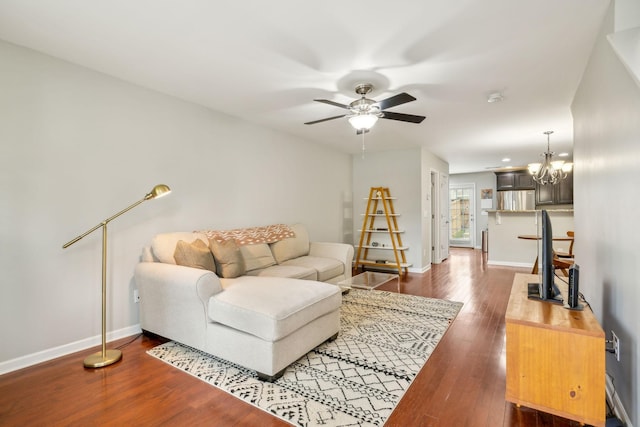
{"type": "Point", "coordinates": [259, 305]}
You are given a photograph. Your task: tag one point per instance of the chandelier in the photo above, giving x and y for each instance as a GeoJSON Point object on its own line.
{"type": "Point", "coordinates": [549, 171]}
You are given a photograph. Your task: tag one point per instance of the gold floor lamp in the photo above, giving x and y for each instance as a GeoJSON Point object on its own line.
{"type": "Point", "coordinates": [108, 357]}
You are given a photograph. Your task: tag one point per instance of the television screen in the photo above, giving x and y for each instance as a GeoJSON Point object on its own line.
{"type": "Point", "coordinates": [546, 289]}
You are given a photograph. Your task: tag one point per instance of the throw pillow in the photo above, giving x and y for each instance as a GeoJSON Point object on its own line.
{"type": "Point", "coordinates": [292, 247]}
{"type": "Point", "coordinates": [163, 245]}
{"type": "Point", "coordinates": [196, 254]}
{"type": "Point", "coordinates": [257, 256]}
{"type": "Point", "coordinates": [229, 261]}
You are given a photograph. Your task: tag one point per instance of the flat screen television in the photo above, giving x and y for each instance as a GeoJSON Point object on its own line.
{"type": "Point", "coordinates": [546, 289]}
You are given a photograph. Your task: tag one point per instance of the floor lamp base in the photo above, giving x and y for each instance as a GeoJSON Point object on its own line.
{"type": "Point", "coordinates": [97, 361]}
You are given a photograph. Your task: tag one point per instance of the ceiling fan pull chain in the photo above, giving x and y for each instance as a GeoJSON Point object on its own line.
{"type": "Point", "coordinates": [363, 145]}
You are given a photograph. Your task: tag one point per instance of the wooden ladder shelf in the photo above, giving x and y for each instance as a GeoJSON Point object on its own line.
{"type": "Point", "coordinates": [380, 205]}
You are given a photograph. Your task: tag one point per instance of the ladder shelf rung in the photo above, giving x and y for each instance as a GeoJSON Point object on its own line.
{"type": "Point", "coordinates": [399, 248]}
{"type": "Point", "coordinates": [390, 264]}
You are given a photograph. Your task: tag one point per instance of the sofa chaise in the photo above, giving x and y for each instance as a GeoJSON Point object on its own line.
{"type": "Point", "coordinates": [255, 297]}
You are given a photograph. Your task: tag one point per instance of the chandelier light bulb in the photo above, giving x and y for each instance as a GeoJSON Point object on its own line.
{"type": "Point", "coordinates": [534, 167]}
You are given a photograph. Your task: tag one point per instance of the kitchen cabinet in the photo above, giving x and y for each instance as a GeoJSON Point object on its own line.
{"type": "Point", "coordinates": [558, 194]}
{"type": "Point", "coordinates": [515, 180]}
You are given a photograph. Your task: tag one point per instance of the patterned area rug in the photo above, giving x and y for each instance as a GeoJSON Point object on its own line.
{"type": "Point", "coordinates": [356, 380]}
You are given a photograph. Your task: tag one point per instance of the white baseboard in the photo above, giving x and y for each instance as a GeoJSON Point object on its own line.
{"type": "Point", "coordinates": [509, 263]}
{"type": "Point", "coordinates": [63, 350]}
{"type": "Point", "coordinates": [614, 400]}
{"type": "Point", "coordinates": [419, 270]}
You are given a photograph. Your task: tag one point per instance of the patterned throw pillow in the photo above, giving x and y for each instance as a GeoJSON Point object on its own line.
{"type": "Point", "coordinates": [228, 258]}
{"type": "Point", "coordinates": [196, 254]}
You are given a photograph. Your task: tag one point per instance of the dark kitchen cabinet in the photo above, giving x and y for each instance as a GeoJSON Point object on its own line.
{"type": "Point", "coordinates": [524, 181]}
{"type": "Point", "coordinates": [516, 180]}
{"type": "Point", "coordinates": [505, 181]}
{"type": "Point", "coordinates": [558, 194]}
{"type": "Point", "coordinates": [545, 194]}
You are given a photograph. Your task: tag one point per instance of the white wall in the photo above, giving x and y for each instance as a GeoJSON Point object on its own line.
{"type": "Point", "coordinates": [78, 146]}
{"type": "Point", "coordinates": [606, 111]}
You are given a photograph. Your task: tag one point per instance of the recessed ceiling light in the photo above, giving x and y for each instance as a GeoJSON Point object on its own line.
{"type": "Point", "coordinates": [506, 159]}
{"type": "Point", "coordinates": [563, 155]}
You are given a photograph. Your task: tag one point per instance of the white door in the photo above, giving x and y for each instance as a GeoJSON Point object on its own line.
{"type": "Point", "coordinates": [462, 206]}
{"type": "Point", "coordinates": [444, 216]}
{"type": "Point", "coordinates": [435, 225]}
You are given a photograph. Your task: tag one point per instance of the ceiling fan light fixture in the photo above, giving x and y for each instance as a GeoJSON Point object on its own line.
{"type": "Point", "coordinates": [363, 121]}
{"type": "Point", "coordinates": [364, 112]}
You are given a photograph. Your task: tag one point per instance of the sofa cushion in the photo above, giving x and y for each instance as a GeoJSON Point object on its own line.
{"type": "Point", "coordinates": [163, 245]}
{"type": "Point", "coordinates": [292, 247]}
{"type": "Point", "coordinates": [292, 271]}
{"type": "Point", "coordinates": [257, 256]}
{"type": "Point", "coordinates": [327, 268]}
{"type": "Point", "coordinates": [272, 308]}
{"type": "Point", "coordinates": [229, 262]}
{"type": "Point", "coordinates": [196, 254]}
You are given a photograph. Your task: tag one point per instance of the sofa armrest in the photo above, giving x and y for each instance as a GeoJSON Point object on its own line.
{"type": "Point", "coordinates": [343, 252]}
{"type": "Point", "coordinates": [174, 299]}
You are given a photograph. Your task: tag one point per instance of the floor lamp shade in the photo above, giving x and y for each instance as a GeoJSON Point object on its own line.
{"type": "Point", "coordinates": [108, 357]}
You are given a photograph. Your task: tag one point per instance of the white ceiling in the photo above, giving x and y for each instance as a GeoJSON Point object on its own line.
{"type": "Point", "coordinates": [267, 61]}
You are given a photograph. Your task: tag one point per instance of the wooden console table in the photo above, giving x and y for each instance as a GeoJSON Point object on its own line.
{"type": "Point", "coordinates": [555, 357]}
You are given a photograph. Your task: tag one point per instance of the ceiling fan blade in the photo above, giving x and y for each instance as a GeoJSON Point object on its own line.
{"type": "Point", "coordinates": [324, 120]}
{"type": "Point", "coordinates": [336, 104]}
{"type": "Point", "coordinates": [401, 98]}
{"type": "Point", "coordinates": [402, 117]}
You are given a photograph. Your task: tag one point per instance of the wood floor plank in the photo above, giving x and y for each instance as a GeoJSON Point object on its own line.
{"type": "Point", "coordinates": [462, 384]}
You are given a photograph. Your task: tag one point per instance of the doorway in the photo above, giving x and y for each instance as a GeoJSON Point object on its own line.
{"type": "Point", "coordinates": [462, 206]}
{"type": "Point", "coordinates": [439, 217]}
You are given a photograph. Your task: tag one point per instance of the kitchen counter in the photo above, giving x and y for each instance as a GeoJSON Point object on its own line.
{"type": "Point", "coordinates": [529, 210]}
{"type": "Point", "coordinates": [505, 226]}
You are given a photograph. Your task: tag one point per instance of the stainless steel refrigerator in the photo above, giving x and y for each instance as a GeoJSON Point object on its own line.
{"type": "Point", "coordinates": [518, 200]}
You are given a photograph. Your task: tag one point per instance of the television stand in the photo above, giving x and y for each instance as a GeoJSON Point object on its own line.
{"type": "Point", "coordinates": [555, 357]}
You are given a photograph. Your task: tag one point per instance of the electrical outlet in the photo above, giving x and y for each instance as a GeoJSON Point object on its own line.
{"type": "Point", "coordinates": [136, 296]}
{"type": "Point", "coordinates": [616, 345]}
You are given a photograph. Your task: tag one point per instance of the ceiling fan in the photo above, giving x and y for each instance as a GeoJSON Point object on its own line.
{"type": "Point", "coordinates": [364, 112]}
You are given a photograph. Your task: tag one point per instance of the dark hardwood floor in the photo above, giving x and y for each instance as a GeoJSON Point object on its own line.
{"type": "Point", "coordinates": [462, 384]}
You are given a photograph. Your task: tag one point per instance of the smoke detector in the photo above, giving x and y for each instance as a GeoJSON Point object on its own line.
{"type": "Point", "coordinates": [495, 97]}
